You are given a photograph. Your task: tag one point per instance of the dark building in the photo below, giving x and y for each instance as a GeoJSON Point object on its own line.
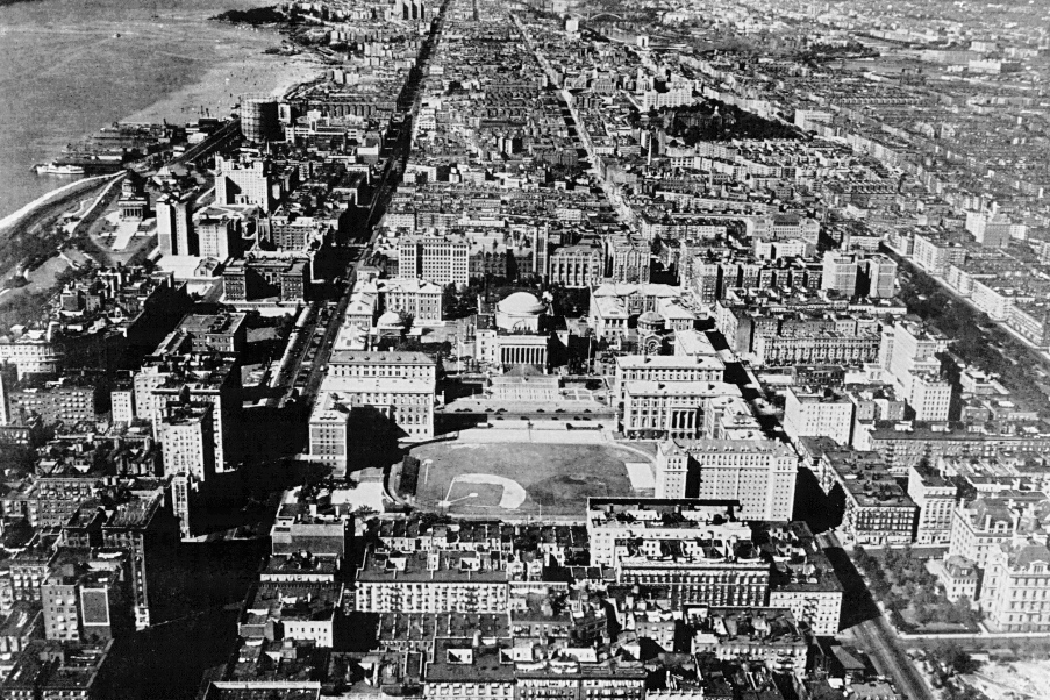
{"type": "Point", "coordinates": [255, 279]}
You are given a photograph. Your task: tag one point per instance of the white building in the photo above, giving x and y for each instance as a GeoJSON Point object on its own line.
{"type": "Point", "coordinates": [909, 353]}
{"type": "Point", "coordinates": [244, 183]}
{"type": "Point", "coordinates": [397, 385]}
{"type": "Point", "coordinates": [983, 526]}
{"type": "Point", "coordinates": [882, 275]}
{"type": "Point", "coordinates": [29, 355]}
{"type": "Point", "coordinates": [418, 297]}
{"type": "Point", "coordinates": [815, 413]}
{"type": "Point", "coordinates": [666, 369]}
{"type": "Point", "coordinates": [434, 581]}
{"type": "Point", "coordinates": [655, 410]}
{"type": "Point", "coordinates": [839, 273]}
{"type": "Point", "coordinates": [175, 226]}
{"type": "Point", "coordinates": [439, 259]}
{"type": "Point", "coordinates": [930, 397]}
{"type": "Point", "coordinates": [760, 474]}
{"type": "Point", "coordinates": [330, 431]}
{"type": "Point", "coordinates": [186, 435]}
{"type": "Point", "coordinates": [644, 528]}
{"type": "Point", "coordinates": [935, 497]}
{"type": "Point", "coordinates": [122, 402]}
{"type": "Point", "coordinates": [1015, 596]}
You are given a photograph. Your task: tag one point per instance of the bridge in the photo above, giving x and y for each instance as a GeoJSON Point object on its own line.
{"type": "Point", "coordinates": [605, 14]}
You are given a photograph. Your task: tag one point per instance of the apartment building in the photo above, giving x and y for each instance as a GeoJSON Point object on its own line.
{"type": "Point", "coordinates": [439, 259]}
{"type": "Point", "coordinates": [624, 527]}
{"type": "Point", "coordinates": [759, 474]}
{"type": "Point", "coordinates": [908, 351]}
{"type": "Point", "coordinates": [839, 273]}
{"type": "Point", "coordinates": [827, 347]}
{"type": "Point", "coordinates": [83, 605]}
{"type": "Point", "coordinates": [29, 355]}
{"type": "Point", "coordinates": [376, 386]}
{"type": "Point", "coordinates": [242, 183]}
{"type": "Point", "coordinates": [175, 230]}
{"type": "Point", "coordinates": [930, 397]}
{"type": "Point", "coordinates": [463, 669]}
{"type": "Point", "coordinates": [818, 412]}
{"type": "Point", "coordinates": [304, 611]}
{"type": "Point", "coordinates": [187, 437]}
{"type": "Point", "coordinates": [935, 254]}
{"type": "Point", "coordinates": [1015, 596]}
{"type": "Point", "coordinates": [717, 572]}
{"type": "Point", "coordinates": [314, 526]}
{"type": "Point", "coordinates": [148, 531]}
{"type": "Point", "coordinates": [881, 276]}
{"type": "Point", "coordinates": [67, 401]}
{"type": "Point", "coordinates": [776, 638]}
{"type": "Point", "coordinates": [877, 510]}
{"type": "Point", "coordinates": [218, 234]}
{"type": "Point", "coordinates": [935, 497]}
{"type": "Point", "coordinates": [983, 526]}
{"type": "Point", "coordinates": [433, 581]}
{"type": "Point", "coordinates": [166, 379]}
{"type": "Point", "coordinates": [806, 583]}
{"type": "Point", "coordinates": [203, 333]}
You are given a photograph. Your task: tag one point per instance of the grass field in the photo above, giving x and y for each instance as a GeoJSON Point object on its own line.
{"type": "Point", "coordinates": [557, 479]}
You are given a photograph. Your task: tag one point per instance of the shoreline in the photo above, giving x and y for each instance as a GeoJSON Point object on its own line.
{"type": "Point", "coordinates": [17, 218]}
{"type": "Point", "coordinates": [236, 74]}
{"type": "Point", "coordinates": [220, 87]}
{"type": "Point", "coordinates": [196, 66]}
{"type": "Point", "coordinates": [219, 90]}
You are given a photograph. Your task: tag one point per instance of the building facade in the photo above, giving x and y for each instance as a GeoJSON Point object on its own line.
{"type": "Point", "coordinates": [760, 474]}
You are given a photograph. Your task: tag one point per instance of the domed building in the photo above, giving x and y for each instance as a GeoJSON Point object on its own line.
{"type": "Point", "coordinates": [520, 312]}
{"type": "Point", "coordinates": [518, 337]}
{"type": "Point", "coordinates": [650, 322]}
{"type": "Point", "coordinates": [652, 329]}
{"type": "Point", "coordinates": [390, 324]}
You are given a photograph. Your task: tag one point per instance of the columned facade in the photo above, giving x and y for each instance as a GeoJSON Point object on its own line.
{"type": "Point", "coordinates": [523, 356]}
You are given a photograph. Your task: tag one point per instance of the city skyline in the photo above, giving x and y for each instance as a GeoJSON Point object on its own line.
{"type": "Point", "coordinates": [570, 349]}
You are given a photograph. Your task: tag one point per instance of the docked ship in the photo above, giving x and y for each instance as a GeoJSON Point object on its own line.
{"type": "Point", "coordinates": [80, 165]}
{"type": "Point", "coordinates": [56, 168]}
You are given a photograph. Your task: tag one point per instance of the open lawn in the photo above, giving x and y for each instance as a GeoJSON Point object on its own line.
{"type": "Point", "coordinates": [515, 479]}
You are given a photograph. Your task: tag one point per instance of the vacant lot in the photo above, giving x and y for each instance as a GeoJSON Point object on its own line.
{"type": "Point", "coordinates": [557, 478]}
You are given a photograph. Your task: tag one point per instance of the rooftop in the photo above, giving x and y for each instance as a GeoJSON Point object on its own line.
{"type": "Point", "coordinates": [436, 565]}
{"type": "Point", "coordinates": [374, 357]}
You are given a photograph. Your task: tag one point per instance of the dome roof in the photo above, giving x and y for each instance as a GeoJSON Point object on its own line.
{"type": "Point", "coordinates": [650, 317]}
{"type": "Point", "coordinates": [521, 303]}
{"type": "Point", "coordinates": [390, 319]}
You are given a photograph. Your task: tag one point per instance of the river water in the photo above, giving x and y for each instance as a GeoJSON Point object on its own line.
{"type": "Point", "coordinates": [65, 73]}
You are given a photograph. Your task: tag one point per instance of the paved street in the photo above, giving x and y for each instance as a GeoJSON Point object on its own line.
{"type": "Point", "coordinates": [877, 638]}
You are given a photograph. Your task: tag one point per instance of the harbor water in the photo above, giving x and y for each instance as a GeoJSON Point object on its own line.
{"type": "Point", "coordinates": [70, 67]}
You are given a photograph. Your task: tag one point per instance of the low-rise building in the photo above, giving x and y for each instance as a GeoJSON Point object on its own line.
{"type": "Point", "coordinates": [434, 581]}
{"type": "Point", "coordinates": [769, 635]}
{"type": "Point", "coordinates": [58, 671]}
{"type": "Point", "coordinates": [301, 611]}
{"type": "Point", "coordinates": [959, 577]}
